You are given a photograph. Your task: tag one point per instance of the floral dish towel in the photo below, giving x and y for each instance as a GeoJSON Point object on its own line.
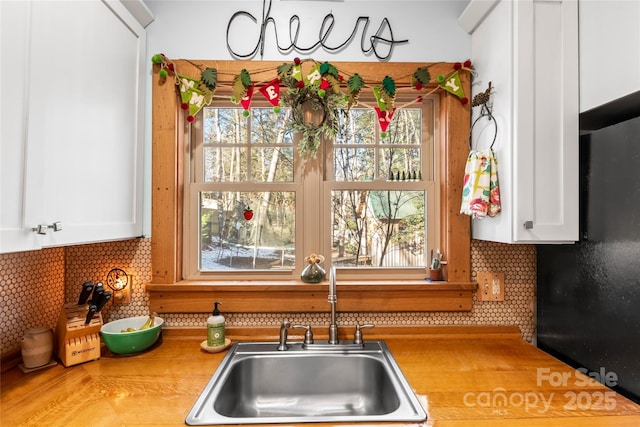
{"type": "Point", "coordinates": [480, 191]}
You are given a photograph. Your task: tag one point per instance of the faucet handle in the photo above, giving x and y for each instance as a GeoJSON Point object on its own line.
{"type": "Point", "coordinates": [308, 335]}
{"type": "Point", "coordinates": [357, 336]}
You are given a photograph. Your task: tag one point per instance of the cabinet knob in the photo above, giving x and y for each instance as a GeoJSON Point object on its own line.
{"type": "Point", "coordinates": [528, 225]}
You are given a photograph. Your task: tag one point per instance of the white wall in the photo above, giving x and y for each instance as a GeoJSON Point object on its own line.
{"type": "Point", "coordinates": [198, 30]}
{"type": "Point", "coordinates": [609, 50]}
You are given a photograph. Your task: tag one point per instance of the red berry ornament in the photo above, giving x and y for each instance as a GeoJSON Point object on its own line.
{"type": "Point", "coordinates": [191, 119]}
{"type": "Point", "coordinates": [296, 60]}
{"type": "Point", "coordinates": [300, 84]}
{"type": "Point", "coordinates": [418, 86]}
{"type": "Point", "coordinates": [184, 106]}
{"type": "Point", "coordinates": [457, 66]}
{"type": "Point", "coordinates": [467, 63]}
{"type": "Point", "coordinates": [248, 213]}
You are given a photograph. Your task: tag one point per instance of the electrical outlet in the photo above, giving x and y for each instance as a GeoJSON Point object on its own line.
{"type": "Point", "coordinates": [490, 286]}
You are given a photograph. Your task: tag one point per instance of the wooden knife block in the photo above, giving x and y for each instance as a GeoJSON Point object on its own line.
{"type": "Point", "coordinates": [77, 342]}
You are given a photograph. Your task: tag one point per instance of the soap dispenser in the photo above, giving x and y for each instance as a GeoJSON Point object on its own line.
{"type": "Point", "coordinates": [215, 327]}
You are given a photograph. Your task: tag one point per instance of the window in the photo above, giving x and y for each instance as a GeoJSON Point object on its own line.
{"type": "Point", "coordinates": [242, 194]}
{"type": "Point", "coordinates": [169, 291]}
{"type": "Point", "coordinates": [248, 207]}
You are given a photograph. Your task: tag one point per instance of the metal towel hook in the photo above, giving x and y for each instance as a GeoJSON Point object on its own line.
{"type": "Point", "coordinates": [482, 100]}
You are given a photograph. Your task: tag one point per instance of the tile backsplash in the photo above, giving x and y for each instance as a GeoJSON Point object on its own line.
{"type": "Point", "coordinates": [34, 285]}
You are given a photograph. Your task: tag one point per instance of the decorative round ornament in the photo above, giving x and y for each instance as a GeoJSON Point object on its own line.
{"type": "Point", "coordinates": [305, 100]}
{"type": "Point", "coordinates": [117, 279]}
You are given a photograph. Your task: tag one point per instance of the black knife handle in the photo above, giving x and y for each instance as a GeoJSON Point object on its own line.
{"type": "Point", "coordinates": [92, 311]}
{"type": "Point", "coordinates": [104, 298]}
{"type": "Point", "coordinates": [98, 290]}
{"type": "Point", "coordinates": [87, 288]}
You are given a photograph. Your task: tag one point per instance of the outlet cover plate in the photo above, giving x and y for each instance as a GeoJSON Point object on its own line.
{"type": "Point", "coordinates": [490, 286]}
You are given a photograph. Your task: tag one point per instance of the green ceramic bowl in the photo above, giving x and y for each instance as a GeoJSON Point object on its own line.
{"type": "Point", "coordinates": [130, 342]}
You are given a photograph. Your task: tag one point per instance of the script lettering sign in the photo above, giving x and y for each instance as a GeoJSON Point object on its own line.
{"type": "Point", "coordinates": [381, 43]}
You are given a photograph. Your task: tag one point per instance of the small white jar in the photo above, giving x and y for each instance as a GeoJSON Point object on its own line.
{"type": "Point", "coordinates": [37, 347]}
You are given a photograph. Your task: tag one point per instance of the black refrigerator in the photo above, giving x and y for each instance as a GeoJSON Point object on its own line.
{"type": "Point", "coordinates": [588, 293]}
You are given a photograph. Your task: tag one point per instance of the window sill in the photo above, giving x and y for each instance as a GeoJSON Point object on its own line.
{"type": "Point", "coordinates": [297, 297]}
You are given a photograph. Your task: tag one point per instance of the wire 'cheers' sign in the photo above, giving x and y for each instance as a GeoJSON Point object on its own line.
{"type": "Point", "coordinates": [381, 43]}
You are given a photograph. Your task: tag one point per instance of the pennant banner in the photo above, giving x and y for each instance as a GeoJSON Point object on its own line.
{"type": "Point", "coordinates": [296, 72]}
{"type": "Point", "coordinates": [382, 105]}
{"type": "Point", "coordinates": [452, 84]}
{"type": "Point", "coordinates": [313, 76]}
{"type": "Point", "coordinates": [271, 92]}
{"type": "Point", "coordinates": [384, 118]}
{"type": "Point", "coordinates": [245, 101]}
{"type": "Point", "coordinates": [190, 95]}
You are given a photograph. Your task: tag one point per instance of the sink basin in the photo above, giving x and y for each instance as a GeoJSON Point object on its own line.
{"type": "Point", "coordinates": [257, 384]}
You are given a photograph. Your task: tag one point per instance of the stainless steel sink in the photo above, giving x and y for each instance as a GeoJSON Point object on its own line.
{"type": "Point", "coordinates": [257, 384]}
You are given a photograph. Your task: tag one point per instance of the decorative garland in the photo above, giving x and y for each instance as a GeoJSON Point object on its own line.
{"type": "Point", "coordinates": [324, 96]}
{"type": "Point", "coordinates": [321, 89]}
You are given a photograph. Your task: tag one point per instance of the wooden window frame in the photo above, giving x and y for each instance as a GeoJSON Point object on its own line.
{"type": "Point", "coordinates": [169, 293]}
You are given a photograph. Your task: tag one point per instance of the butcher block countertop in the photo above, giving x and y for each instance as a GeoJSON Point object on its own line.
{"type": "Point", "coordinates": [466, 376]}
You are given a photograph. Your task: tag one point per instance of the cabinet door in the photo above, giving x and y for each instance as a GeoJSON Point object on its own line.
{"type": "Point", "coordinates": [546, 97]}
{"type": "Point", "coordinates": [14, 27]}
{"type": "Point", "coordinates": [86, 64]}
{"type": "Point", "coordinates": [529, 50]}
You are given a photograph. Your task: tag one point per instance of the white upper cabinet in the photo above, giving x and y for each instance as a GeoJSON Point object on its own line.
{"type": "Point", "coordinates": [529, 51]}
{"type": "Point", "coordinates": [14, 29]}
{"type": "Point", "coordinates": [609, 51]}
{"type": "Point", "coordinates": [72, 117]}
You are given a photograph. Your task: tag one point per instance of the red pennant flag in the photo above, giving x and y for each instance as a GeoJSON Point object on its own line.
{"type": "Point", "coordinates": [271, 91]}
{"type": "Point", "coordinates": [246, 100]}
{"type": "Point", "coordinates": [384, 117]}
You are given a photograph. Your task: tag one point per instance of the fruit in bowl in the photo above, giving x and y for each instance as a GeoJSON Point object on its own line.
{"type": "Point", "coordinates": [132, 334]}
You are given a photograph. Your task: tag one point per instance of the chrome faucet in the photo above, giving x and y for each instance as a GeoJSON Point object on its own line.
{"type": "Point", "coordinates": [284, 332]}
{"type": "Point", "coordinates": [284, 328]}
{"type": "Point", "coordinates": [333, 326]}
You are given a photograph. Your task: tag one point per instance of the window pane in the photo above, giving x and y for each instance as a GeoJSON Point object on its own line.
{"type": "Point", "coordinates": [396, 161]}
{"type": "Point", "coordinates": [225, 164]}
{"type": "Point", "coordinates": [272, 164]}
{"type": "Point", "coordinates": [396, 155]}
{"type": "Point", "coordinates": [379, 228]}
{"type": "Point", "coordinates": [356, 126]}
{"type": "Point", "coordinates": [233, 239]}
{"type": "Point", "coordinates": [268, 127]}
{"type": "Point", "coordinates": [224, 126]}
{"type": "Point", "coordinates": [354, 164]}
{"type": "Point", "coordinates": [228, 137]}
{"type": "Point", "coordinates": [405, 127]}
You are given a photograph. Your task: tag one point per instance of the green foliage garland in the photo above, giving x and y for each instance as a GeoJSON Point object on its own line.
{"type": "Point", "coordinates": [326, 97]}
